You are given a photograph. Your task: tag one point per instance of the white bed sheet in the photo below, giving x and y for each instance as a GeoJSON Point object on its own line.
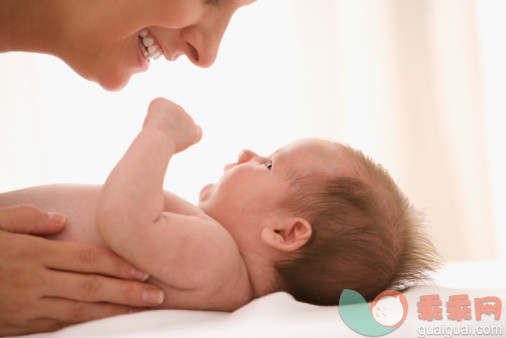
{"type": "Point", "coordinates": [279, 315]}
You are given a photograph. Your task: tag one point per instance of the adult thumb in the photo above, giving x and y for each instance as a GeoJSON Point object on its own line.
{"type": "Point", "coordinates": [30, 220]}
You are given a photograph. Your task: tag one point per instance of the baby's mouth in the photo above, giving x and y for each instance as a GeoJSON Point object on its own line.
{"type": "Point", "coordinates": [148, 45]}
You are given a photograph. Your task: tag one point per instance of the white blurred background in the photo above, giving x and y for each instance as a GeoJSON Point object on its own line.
{"type": "Point", "coordinates": [419, 85]}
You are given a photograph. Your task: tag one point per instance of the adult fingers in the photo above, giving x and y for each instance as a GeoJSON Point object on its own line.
{"type": "Point", "coordinates": [42, 325]}
{"type": "Point", "coordinates": [96, 288]}
{"type": "Point", "coordinates": [83, 258]}
{"type": "Point", "coordinates": [69, 311]}
{"type": "Point", "coordinates": [31, 326]}
{"type": "Point", "coordinates": [29, 219]}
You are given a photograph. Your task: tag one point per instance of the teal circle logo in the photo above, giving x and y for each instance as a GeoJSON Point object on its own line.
{"type": "Point", "coordinates": [385, 314]}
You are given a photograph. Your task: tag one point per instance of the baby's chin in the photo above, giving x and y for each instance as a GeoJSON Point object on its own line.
{"type": "Point", "coordinates": [206, 192]}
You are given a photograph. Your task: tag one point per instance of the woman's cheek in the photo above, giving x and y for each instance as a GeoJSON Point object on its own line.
{"type": "Point", "coordinates": [173, 13]}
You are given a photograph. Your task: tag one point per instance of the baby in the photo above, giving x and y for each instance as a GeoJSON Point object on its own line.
{"type": "Point", "coordinates": [312, 219]}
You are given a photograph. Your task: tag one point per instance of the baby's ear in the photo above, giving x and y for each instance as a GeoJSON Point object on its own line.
{"type": "Point", "coordinates": [288, 237]}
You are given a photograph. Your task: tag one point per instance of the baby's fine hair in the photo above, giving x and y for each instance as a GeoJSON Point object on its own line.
{"type": "Point", "coordinates": [365, 235]}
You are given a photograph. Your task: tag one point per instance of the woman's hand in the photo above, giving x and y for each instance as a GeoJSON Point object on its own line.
{"type": "Point", "coordinates": [46, 285]}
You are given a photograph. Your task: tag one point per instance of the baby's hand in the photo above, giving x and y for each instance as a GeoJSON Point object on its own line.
{"type": "Point", "coordinates": [172, 120]}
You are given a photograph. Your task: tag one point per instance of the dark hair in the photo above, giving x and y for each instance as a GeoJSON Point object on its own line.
{"type": "Point", "coordinates": [366, 236]}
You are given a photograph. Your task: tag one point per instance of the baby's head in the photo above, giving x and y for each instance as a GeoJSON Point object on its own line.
{"type": "Point", "coordinates": [327, 217]}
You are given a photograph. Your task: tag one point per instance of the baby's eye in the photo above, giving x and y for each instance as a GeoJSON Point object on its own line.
{"type": "Point", "coordinates": [268, 165]}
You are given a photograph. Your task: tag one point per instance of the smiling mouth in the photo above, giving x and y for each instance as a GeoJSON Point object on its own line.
{"type": "Point", "coordinates": [149, 48]}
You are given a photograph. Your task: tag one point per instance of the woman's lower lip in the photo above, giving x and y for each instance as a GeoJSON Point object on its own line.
{"type": "Point", "coordinates": [143, 62]}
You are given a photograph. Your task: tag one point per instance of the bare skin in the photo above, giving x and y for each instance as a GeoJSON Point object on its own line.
{"type": "Point", "coordinates": [218, 255]}
{"type": "Point", "coordinates": [47, 285]}
{"type": "Point", "coordinates": [99, 40]}
{"type": "Point", "coordinates": [186, 286]}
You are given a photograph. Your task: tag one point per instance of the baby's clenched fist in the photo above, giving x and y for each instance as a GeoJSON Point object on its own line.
{"type": "Point", "coordinates": [172, 120]}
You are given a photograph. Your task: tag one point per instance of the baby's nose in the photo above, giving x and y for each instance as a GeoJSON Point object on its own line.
{"type": "Point", "coordinates": [245, 156]}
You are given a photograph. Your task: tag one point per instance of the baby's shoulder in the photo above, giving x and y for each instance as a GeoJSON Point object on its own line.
{"type": "Point", "coordinates": [226, 254]}
{"type": "Point", "coordinates": [232, 286]}
{"type": "Point", "coordinates": [231, 275]}
{"type": "Point", "coordinates": [222, 273]}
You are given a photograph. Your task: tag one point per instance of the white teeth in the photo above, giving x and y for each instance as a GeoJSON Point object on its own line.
{"type": "Point", "coordinates": [148, 48]}
{"type": "Point", "coordinates": [148, 41]}
{"type": "Point", "coordinates": [157, 55]}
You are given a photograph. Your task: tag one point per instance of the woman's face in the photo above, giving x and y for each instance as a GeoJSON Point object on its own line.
{"type": "Point", "coordinates": [107, 41]}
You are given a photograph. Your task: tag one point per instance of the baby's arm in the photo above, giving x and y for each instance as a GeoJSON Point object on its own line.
{"type": "Point", "coordinates": [175, 248]}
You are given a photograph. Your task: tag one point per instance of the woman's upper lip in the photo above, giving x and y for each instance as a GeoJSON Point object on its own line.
{"type": "Point", "coordinates": [164, 50]}
{"type": "Point", "coordinates": [168, 56]}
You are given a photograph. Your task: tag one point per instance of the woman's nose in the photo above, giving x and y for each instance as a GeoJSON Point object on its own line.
{"type": "Point", "coordinates": [200, 51]}
{"type": "Point", "coordinates": [203, 41]}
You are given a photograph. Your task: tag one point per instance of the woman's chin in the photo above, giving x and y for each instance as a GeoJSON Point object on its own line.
{"type": "Point", "coordinates": [114, 84]}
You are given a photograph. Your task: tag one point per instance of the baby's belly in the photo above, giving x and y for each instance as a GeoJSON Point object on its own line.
{"type": "Point", "coordinates": [77, 202]}
{"type": "Point", "coordinates": [79, 232]}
